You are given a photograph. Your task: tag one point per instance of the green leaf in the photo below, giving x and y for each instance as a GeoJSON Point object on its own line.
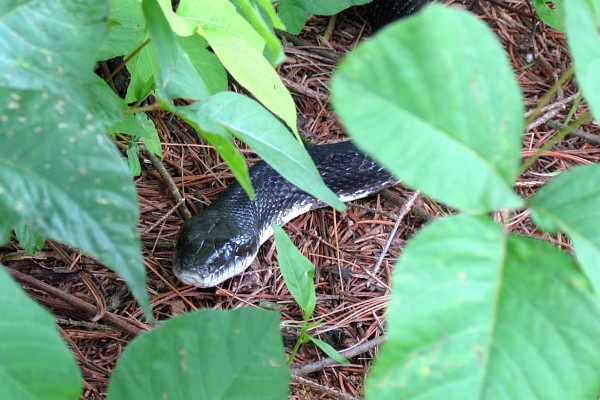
{"type": "Point", "coordinates": [330, 351]}
{"type": "Point", "coordinates": [59, 172]}
{"type": "Point", "coordinates": [240, 47]}
{"type": "Point", "coordinates": [141, 67]}
{"type": "Point", "coordinates": [218, 137]}
{"type": "Point", "coordinates": [176, 76]}
{"type": "Point", "coordinates": [132, 159]}
{"type": "Point", "coordinates": [206, 63]}
{"type": "Point", "coordinates": [139, 125]}
{"type": "Point", "coordinates": [207, 354]}
{"type": "Point", "coordinates": [126, 28]}
{"type": "Point", "coordinates": [248, 121]}
{"type": "Point", "coordinates": [453, 113]}
{"type": "Point", "coordinates": [297, 271]}
{"type": "Point", "coordinates": [35, 363]}
{"type": "Point", "coordinates": [294, 13]}
{"type": "Point", "coordinates": [477, 315]}
{"type": "Point", "coordinates": [31, 240]}
{"type": "Point", "coordinates": [582, 26]}
{"type": "Point", "coordinates": [571, 203]}
{"type": "Point", "coordinates": [262, 17]}
{"type": "Point", "coordinates": [552, 12]}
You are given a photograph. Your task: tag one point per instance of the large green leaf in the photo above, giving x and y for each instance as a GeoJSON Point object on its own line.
{"type": "Point", "coordinates": [582, 26]}
{"type": "Point", "coordinates": [297, 270]}
{"type": "Point", "coordinates": [551, 12]}
{"type": "Point", "coordinates": [476, 314]}
{"type": "Point", "coordinates": [176, 75]}
{"type": "Point", "coordinates": [453, 113]}
{"type": "Point", "coordinates": [208, 354]}
{"type": "Point", "coordinates": [35, 363]}
{"type": "Point", "coordinates": [126, 28]}
{"type": "Point", "coordinates": [249, 122]}
{"type": "Point", "coordinates": [263, 18]}
{"type": "Point", "coordinates": [293, 13]}
{"type": "Point", "coordinates": [571, 203]}
{"type": "Point", "coordinates": [59, 172]}
{"type": "Point", "coordinates": [240, 47]}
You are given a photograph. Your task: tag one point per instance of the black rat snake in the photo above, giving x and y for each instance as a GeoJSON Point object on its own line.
{"type": "Point", "coordinates": [224, 239]}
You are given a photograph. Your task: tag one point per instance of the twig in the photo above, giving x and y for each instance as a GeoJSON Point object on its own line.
{"type": "Point", "coordinates": [418, 211]}
{"type": "Point", "coordinates": [590, 137]}
{"type": "Point", "coordinates": [171, 186]}
{"type": "Point", "coordinates": [556, 104]}
{"type": "Point", "coordinates": [403, 212]}
{"type": "Point", "coordinates": [300, 89]}
{"type": "Point", "coordinates": [542, 120]}
{"type": "Point", "coordinates": [326, 362]}
{"type": "Point", "coordinates": [329, 30]}
{"type": "Point", "coordinates": [323, 389]}
{"type": "Point", "coordinates": [116, 320]}
{"type": "Point", "coordinates": [328, 54]}
{"type": "Point", "coordinates": [171, 211]}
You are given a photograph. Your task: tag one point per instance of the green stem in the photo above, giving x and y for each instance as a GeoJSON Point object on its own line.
{"type": "Point", "coordinates": [301, 340]}
{"type": "Point", "coordinates": [553, 141]}
{"type": "Point", "coordinates": [125, 61]}
{"type": "Point", "coordinates": [573, 109]}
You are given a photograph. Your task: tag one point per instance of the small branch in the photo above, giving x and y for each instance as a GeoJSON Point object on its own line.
{"type": "Point", "coordinates": [326, 362]}
{"type": "Point", "coordinates": [418, 211]}
{"type": "Point", "coordinates": [590, 137]}
{"type": "Point", "coordinates": [403, 212]}
{"type": "Point", "coordinates": [125, 61]}
{"type": "Point", "coordinates": [556, 104]}
{"type": "Point", "coordinates": [330, 27]}
{"type": "Point", "coordinates": [171, 186]}
{"type": "Point", "coordinates": [76, 303]}
{"type": "Point", "coordinates": [323, 389]}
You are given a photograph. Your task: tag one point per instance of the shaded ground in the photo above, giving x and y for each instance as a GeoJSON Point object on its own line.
{"type": "Point", "coordinates": [350, 243]}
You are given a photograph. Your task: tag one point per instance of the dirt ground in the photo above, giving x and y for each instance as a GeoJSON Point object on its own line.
{"type": "Point", "coordinates": [97, 315]}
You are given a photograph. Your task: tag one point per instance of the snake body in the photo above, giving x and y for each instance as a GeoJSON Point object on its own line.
{"type": "Point", "coordinates": [223, 240]}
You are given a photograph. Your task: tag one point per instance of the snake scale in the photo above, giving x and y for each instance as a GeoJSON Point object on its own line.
{"type": "Point", "coordinates": [223, 240]}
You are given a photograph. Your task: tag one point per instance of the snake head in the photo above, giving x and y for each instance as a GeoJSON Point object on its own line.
{"type": "Point", "coordinates": [211, 249]}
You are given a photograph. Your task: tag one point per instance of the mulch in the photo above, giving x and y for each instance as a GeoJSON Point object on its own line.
{"type": "Point", "coordinates": [97, 315]}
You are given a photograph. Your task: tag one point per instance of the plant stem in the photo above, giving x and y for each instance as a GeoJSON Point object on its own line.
{"type": "Point", "coordinates": [125, 61]}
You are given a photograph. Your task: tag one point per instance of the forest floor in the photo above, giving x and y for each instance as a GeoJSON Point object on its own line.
{"type": "Point", "coordinates": [345, 247]}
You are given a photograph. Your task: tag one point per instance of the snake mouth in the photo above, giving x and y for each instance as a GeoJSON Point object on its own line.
{"type": "Point", "coordinates": [194, 279]}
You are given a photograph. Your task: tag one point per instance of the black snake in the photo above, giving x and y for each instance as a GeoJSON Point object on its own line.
{"type": "Point", "coordinates": [224, 239]}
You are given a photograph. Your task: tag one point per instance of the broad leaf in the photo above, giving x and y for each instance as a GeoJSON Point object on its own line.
{"type": "Point", "coordinates": [35, 363]}
{"type": "Point", "coordinates": [208, 354]}
{"type": "Point", "coordinates": [551, 12]}
{"type": "Point", "coordinates": [293, 13]}
{"type": "Point", "coordinates": [240, 47]}
{"type": "Point", "coordinates": [126, 28]}
{"type": "Point", "coordinates": [59, 172]}
{"type": "Point", "coordinates": [571, 203]}
{"type": "Point", "coordinates": [249, 122]}
{"type": "Point", "coordinates": [176, 76]}
{"type": "Point", "coordinates": [582, 26]}
{"type": "Point", "coordinates": [31, 240]}
{"type": "Point", "coordinates": [453, 113]}
{"type": "Point", "coordinates": [263, 18]}
{"type": "Point", "coordinates": [297, 270]}
{"type": "Point", "coordinates": [474, 316]}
